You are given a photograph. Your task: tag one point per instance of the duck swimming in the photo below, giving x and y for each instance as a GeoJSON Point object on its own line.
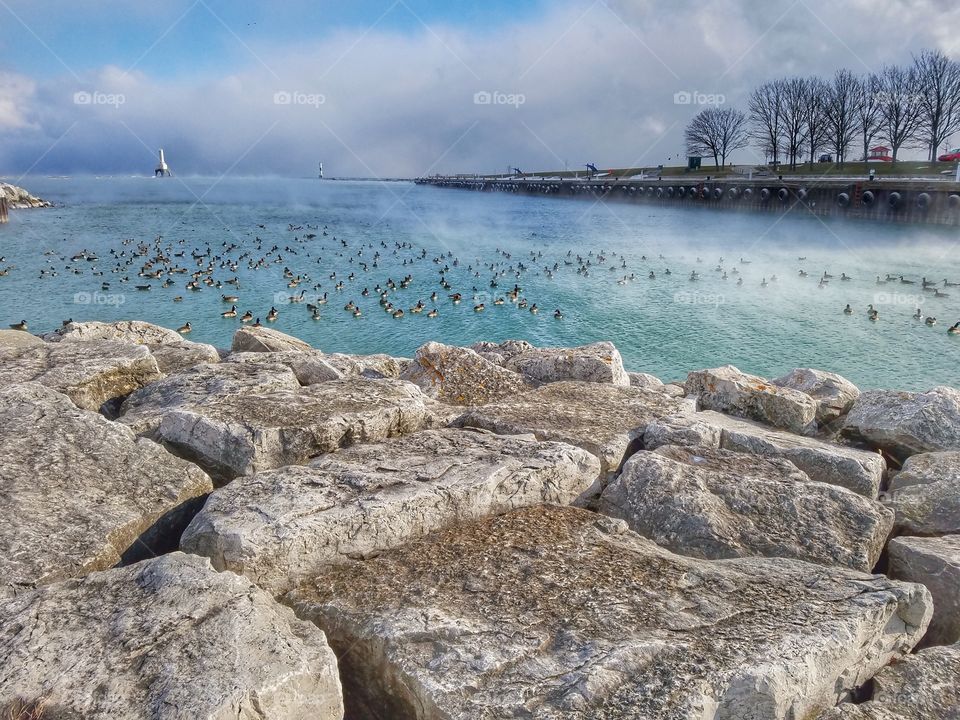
{"type": "Point", "coordinates": [559, 315]}
{"type": "Point", "coordinates": [272, 315]}
{"type": "Point", "coordinates": [22, 325]}
{"type": "Point", "coordinates": [918, 315]}
{"type": "Point", "coordinates": [247, 316]}
{"type": "Point", "coordinates": [433, 313]}
{"type": "Point", "coordinates": [954, 329]}
{"type": "Point", "coordinates": [930, 320]}
{"type": "Point", "coordinates": [848, 310]}
{"type": "Point", "coordinates": [231, 313]}
{"type": "Point", "coordinates": [184, 329]}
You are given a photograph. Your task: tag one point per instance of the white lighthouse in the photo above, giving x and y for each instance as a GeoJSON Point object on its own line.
{"type": "Point", "coordinates": [321, 171]}
{"type": "Point", "coordinates": [162, 167]}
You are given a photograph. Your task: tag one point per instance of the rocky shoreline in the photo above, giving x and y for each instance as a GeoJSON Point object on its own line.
{"type": "Point", "coordinates": [277, 532]}
{"type": "Point", "coordinates": [20, 199]}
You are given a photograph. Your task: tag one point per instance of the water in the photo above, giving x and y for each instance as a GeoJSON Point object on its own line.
{"type": "Point", "coordinates": [665, 326]}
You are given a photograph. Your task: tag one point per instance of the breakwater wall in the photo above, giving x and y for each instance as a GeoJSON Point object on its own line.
{"type": "Point", "coordinates": [920, 201]}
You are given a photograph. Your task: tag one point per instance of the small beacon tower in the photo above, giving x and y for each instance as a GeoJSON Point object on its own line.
{"type": "Point", "coordinates": [321, 171]}
{"type": "Point", "coordinates": [162, 167]}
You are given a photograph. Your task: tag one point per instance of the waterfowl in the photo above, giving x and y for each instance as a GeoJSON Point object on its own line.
{"type": "Point", "coordinates": [954, 329]}
{"type": "Point", "coordinates": [231, 313]}
{"type": "Point", "coordinates": [22, 325]}
{"type": "Point", "coordinates": [937, 293]}
{"type": "Point", "coordinates": [357, 312]}
{"type": "Point", "coordinates": [272, 315]}
{"type": "Point", "coordinates": [184, 329]}
{"type": "Point", "coordinates": [557, 314]}
{"type": "Point", "coordinates": [848, 310]}
{"type": "Point", "coordinates": [178, 298]}
{"type": "Point", "coordinates": [398, 313]}
{"type": "Point", "coordinates": [433, 313]}
{"type": "Point", "coordinates": [930, 320]}
{"type": "Point", "coordinates": [918, 315]}
{"type": "Point", "coordinates": [229, 298]}
{"type": "Point", "coordinates": [534, 309]}
{"type": "Point", "coordinates": [907, 282]}
{"type": "Point", "coordinates": [316, 315]}
{"type": "Point", "coordinates": [844, 276]}
{"type": "Point", "coordinates": [247, 316]}
{"type": "Point", "coordinates": [480, 307]}
{"type": "Point", "coordinates": [257, 323]}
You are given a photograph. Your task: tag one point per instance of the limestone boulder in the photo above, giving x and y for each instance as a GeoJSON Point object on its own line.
{"type": "Point", "coordinates": [15, 339]}
{"type": "Point", "coordinates": [926, 495]}
{"type": "Point", "coordinates": [243, 434]}
{"type": "Point", "coordinates": [144, 409]}
{"type": "Point", "coordinates": [501, 352]}
{"type": "Point", "coordinates": [935, 563]}
{"type": "Point", "coordinates": [281, 527]}
{"type": "Point", "coordinates": [906, 423]}
{"type": "Point", "coordinates": [79, 493]}
{"type": "Point", "coordinates": [833, 393]}
{"type": "Point", "coordinates": [167, 638]}
{"type": "Point", "coordinates": [716, 504]}
{"type": "Point", "coordinates": [459, 376]}
{"type": "Point", "coordinates": [89, 373]}
{"type": "Point", "coordinates": [730, 391]}
{"type": "Point", "coordinates": [375, 366]}
{"type": "Point", "coordinates": [646, 381]}
{"type": "Point", "coordinates": [264, 339]}
{"type": "Point", "coordinates": [177, 357]}
{"type": "Point", "coordinates": [554, 612]}
{"type": "Point", "coordinates": [690, 429]}
{"type": "Point", "coordinates": [598, 362]}
{"type": "Point", "coordinates": [310, 366]}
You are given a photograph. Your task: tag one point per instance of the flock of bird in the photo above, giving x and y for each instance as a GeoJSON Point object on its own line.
{"type": "Point", "coordinates": [352, 271]}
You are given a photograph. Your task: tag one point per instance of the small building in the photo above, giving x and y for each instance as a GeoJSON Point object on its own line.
{"type": "Point", "coordinates": [880, 153]}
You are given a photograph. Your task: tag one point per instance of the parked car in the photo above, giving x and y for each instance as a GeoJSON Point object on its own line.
{"type": "Point", "coordinates": [950, 156]}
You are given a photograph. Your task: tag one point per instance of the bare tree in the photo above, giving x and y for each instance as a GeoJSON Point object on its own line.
{"type": "Point", "coordinates": [901, 109]}
{"type": "Point", "coordinates": [718, 132]}
{"type": "Point", "coordinates": [867, 111]}
{"type": "Point", "coordinates": [815, 96]}
{"type": "Point", "coordinates": [938, 78]}
{"type": "Point", "coordinates": [840, 113]}
{"type": "Point", "coordinates": [793, 92]}
{"type": "Point", "coordinates": [766, 117]}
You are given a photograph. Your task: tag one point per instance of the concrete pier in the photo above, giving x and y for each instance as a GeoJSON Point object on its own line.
{"type": "Point", "coordinates": [917, 201]}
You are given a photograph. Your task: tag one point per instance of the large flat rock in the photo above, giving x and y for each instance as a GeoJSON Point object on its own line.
{"type": "Point", "coordinates": [855, 469]}
{"type": "Point", "coordinates": [906, 423]}
{"type": "Point", "coordinates": [926, 495]}
{"type": "Point", "coordinates": [283, 526]}
{"type": "Point", "coordinates": [310, 366]}
{"type": "Point", "coordinates": [240, 434]}
{"type": "Point", "coordinates": [89, 373]}
{"type": "Point", "coordinates": [168, 638]}
{"type": "Point", "coordinates": [918, 687]}
{"type": "Point", "coordinates": [833, 393]}
{"type": "Point", "coordinates": [934, 562]}
{"type": "Point", "coordinates": [144, 409]}
{"type": "Point", "coordinates": [460, 376]}
{"type": "Point", "coordinates": [728, 390]}
{"type": "Point", "coordinates": [18, 339]}
{"type": "Point", "coordinates": [712, 504]}
{"type": "Point", "coordinates": [556, 612]}
{"type": "Point", "coordinates": [264, 339]}
{"type": "Point", "coordinates": [78, 492]}
{"type": "Point", "coordinates": [598, 362]}
{"type": "Point", "coordinates": [374, 366]}
{"type": "Point", "coordinates": [603, 419]}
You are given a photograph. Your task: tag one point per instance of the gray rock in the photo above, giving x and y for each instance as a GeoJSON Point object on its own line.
{"type": "Point", "coordinates": [601, 418]}
{"type": "Point", "coordinates": [905, 423]}
{"type": "Point", "coordinates": [78, 492]}
{"type": "Point", "coordinates": [500, 353]}
{"type": "Point", "coordinates": [281, 527]}
{"type": "Point", "coordinates": [918, 687]}
{"type": "Point", "coordinates": [243, 434]}
{"type": "Point", "coordinates": [934, 562]}
{"type": "Point", "coordinates": [309, 366]}
{"type": "Point", "coordinates": [598, 362]}
{"type": "Point", "coordinates": [264, 339]}
{"type": "Point", "coordinates": [19, 198]}
{"type": "Point", "coordinates": [691, 430]}
{"type": "Point", "coordinates": [132, 331]}
{"type": "Point", "coordinates": [18, 339]}
{"type": "Point", "coordinates": [714, 504]}
{"type": "Point", "coordinates": [730, 391]}
{"type": "Point", "coordinates": [646, 381]}
{"type": "Point", "coordinates": [675, 390]}
{"type": "Point", "coordinates": [370, 366]}
{"type": "Point", "coordinates": [459, 376]}
{"type": "Point", "coordinates": [554, 612]}
{"type": "Point", "coordinates": [833, 393]}
{"type": "Point", "coordinates": [89, 373]}
{"type": "Point", "coordinates": [926, 495]}
{"type": "Point", "coordinates": [177, 357]}
{"type": "Point", "coordinates": [145, 408]}
{"type": "Point", "coordinates": [167, 638]}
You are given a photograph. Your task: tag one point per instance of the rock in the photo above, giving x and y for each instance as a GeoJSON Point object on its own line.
{"type": "Point", "coordinates": [713, 504]}
{"type": "Point", "coordinates": [166, 638]}
{"type": "Point", "coordinates": [79, 492]}
{"type": "Point", "coordinates": [604, 419]}
{"type": "Point", "coordinates": [598, 362]}
{"type": "Point", "coordinates": [145, 408]}
{"type": "Point", "coordinates": [934, 562]}
{"type": "Point", "coordinates": [16, 339]}
{"type": "Point", "coordinates": [309, 366]}
{"type": "Point", "coordinates": [242, 434]}
{"type": "Point", "coordinates": [858, 470]}
{"type": "Point", "coordinates": [500, 353]}
{"type": "Point", "coordinates": [917, 687]}
{"type": "Point", "coordinates": [20, 199]}
{"type": "Point", "coordinates": [730, 391]}
{"type": "Point", "coordinates": [926, 495]}
{"type": "Point", "coordinates": [89, 373]}
{"type": "Point", "coordinates": [833, 393]}
{"type": "Point", "coordinates": [905, 423]}
{"type": "Point", "coordinates": [263, 339]}
{"type": "Point", "coordinates": [646, 381]}
{"type": "Point", "coordinates": [281, 527]}
{"type": "Point", "coordinates": [177, 357]}
{"type": "Point", "coordinates": [459, 376]}
{"type": "Point", "coordinates": [369, 366]}
{"type": "Point", "coordinates": [554, 612]}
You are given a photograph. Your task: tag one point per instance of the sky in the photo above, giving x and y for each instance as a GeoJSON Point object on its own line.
{"type": "Point", "coordinates": [404, 88]}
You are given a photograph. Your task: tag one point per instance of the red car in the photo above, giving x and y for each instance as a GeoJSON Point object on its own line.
{"type": "Point", "coordinates": [951, 156]}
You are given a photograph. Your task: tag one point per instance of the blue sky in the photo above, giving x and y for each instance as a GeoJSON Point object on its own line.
{"type": "Point", "coordinates": [390, 88]}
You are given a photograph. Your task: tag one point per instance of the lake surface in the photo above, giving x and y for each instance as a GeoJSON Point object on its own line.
{"type": "Point", "coordinates": [667, 325]}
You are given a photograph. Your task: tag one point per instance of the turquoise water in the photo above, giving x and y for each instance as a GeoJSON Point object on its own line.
{"type": "Point", "coordinates": [667, 325]}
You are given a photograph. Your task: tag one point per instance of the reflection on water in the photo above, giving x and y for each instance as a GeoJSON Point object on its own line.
{"type": "Point", "coordinates": [667, 324]}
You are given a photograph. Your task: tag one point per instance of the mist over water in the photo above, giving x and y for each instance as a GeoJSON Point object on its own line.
{"type": "Point", "coordinates": [667, 325]}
